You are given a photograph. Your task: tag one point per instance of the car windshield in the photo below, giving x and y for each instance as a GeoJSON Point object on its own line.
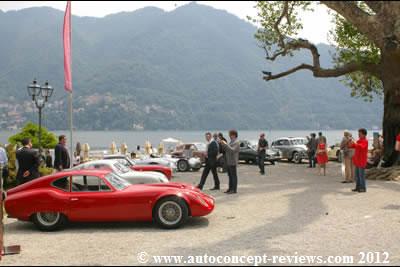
{"type": "Point", "coordinates": [121, 168]}
{"type": "Point", "coordinates": [201, 146]}
{"type": "Point", "coordinates": [299, 142]}
{"type": "Point", "coordinates": [116, 181]}
{"type": "Point", "coordinates": [124, 162]}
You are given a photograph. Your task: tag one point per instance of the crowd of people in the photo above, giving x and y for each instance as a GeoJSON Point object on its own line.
{"type": "Point", "coordinates": [217, 145]}
{"type": "Point", "coordinates": [29, 160]}
{"type": "Point", "coordinates": [354, 158]}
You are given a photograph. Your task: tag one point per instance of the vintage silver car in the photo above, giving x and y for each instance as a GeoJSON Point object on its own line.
{"type": "Point", "coordinates": [292, 148]}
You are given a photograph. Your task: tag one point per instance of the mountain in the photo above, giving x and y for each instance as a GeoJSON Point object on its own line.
{"type": "Point", "coordinates": [193, 68]}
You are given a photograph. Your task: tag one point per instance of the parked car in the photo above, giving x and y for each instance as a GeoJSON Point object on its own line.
{"type": "Point", "coordinates": [248, 153]}
{"type": "Point", "coordinates": [128, 162]}
{"type": "Point", "coordinates": [181, 164]}
{"type": "Point", "coordinates": [101, 196]}
{"type": "Point", "coordinates": [129, 175]}
{"type": "Point", "coordinates": [292, 148]}
{"type": "Point", "coordinates": [334, 153]}
{"type": "Point", "coordinates": [156, 160]}
{"type": "Point", "coordinates": [191, 150]}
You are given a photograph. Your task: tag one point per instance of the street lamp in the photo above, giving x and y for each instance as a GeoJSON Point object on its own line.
{"type": "Point", "coordinates": [40, 95]}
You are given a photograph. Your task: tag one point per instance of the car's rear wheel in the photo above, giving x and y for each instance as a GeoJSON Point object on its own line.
{"type": "Point", "coordinates": [49, 221]}
{"type": "Point", "coordinates": [171, 212]}
{"type": "Point", "coordinates": [297, 158]}
{"type": "Point", "coordinates": [183, 165]}
{"type": "Point", "coordinates": [339, 156]}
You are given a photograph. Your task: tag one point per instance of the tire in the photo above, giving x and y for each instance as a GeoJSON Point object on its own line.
{"type": "Point", "coordinates": [49, 222]}
{"type": "Point", "coordinates": [171, 212]}
{"type": "Point", "coordinates": [183, 165]}
{"type": "Point", "coordinates": [247, 161]}
{"type": "Point", "coordinates": [339, 157]}
{"type": "Point", "coordinates": [297, 158]}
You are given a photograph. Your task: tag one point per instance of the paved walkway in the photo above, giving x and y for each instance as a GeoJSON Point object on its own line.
{"type": "Point", "coordinates": [291, 211]}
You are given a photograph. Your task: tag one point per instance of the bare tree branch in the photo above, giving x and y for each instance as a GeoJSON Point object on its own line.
{"type": "Point", "coordinates": [326, 73]}
{"type": "Point", "coordinates": [364, 22]}
{"type": "Point", "coordinates": [316, 67]}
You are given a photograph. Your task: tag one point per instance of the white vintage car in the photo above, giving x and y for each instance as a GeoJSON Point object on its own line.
{"type": "Point", "coordinates": [179, 164]}
{"type": "Point", "coordinates": [131, 176]}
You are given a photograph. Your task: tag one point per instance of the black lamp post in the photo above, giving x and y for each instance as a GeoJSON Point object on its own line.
{"type": "Point", "coordinates": [40, 95]}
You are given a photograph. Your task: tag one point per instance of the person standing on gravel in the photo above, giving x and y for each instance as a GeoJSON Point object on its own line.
{"type": "Point", "coordinates": [312, 147]}
{"type": "Point", "coordinates": [360, 160]}
{"type": "Point", "coordinates": [61, 156]}
{"type": "Point", "coordinates": [397, 148]}
{"type": "Point", "coordinates": [348, 154]}
{"type": "Point", "coordinates": [211, 162]}
{"type": "Point", "coordinates": [232, 159]}
{"type": "Point", "coordinates": [261, 150]}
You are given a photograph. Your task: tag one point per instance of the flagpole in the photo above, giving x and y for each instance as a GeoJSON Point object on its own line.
{"type": "Point", "coordinates": [71, 129]}
{"type": "Point", "coordinates": [68, 73]}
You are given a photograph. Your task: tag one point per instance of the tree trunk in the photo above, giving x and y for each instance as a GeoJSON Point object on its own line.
{"type": "Point", "coordinates": [391, 118]}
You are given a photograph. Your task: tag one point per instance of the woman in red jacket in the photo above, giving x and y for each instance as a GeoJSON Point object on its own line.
{"type": "Point", "coordinates": [397, 148]}
{"type": "Point", "coordinates": [360, 160]}
{"type": "Point", "coordinates": [322, 156]}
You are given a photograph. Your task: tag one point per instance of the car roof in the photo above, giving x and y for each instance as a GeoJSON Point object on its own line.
{"type": "Point", "coordinates": [52, 177]}
{"type": "Point", "coordinates": [84, 171]}
{"type": "Point", "coordinates": [290, 138]}
{"type": "Point", "coordinates": [101, 161]}
{"type": "Point", "coordinates": [115, 156]}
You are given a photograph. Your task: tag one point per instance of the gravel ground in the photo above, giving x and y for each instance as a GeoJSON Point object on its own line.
{"type": "Point", "coordinates": [291, 211]}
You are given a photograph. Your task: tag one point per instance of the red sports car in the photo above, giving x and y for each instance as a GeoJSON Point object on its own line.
{"type": "Point", "coordinates": [167, 171]}
{"type": "Point", "coordinates": [101, 196]}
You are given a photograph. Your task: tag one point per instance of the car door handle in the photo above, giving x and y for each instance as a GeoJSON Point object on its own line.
{"type": "Point", "coordinates": [74, 199]}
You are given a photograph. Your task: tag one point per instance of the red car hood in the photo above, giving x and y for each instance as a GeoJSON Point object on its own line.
{"type": "Point", "coordinates": [173, 186]}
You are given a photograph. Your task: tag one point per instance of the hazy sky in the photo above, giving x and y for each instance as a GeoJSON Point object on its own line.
{"type": "Point", "coordinates": [316, 24]}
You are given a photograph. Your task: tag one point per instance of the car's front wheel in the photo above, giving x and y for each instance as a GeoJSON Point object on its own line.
{"type": "Point", "coordinates": [183, 165]}
{"type": "Point", "coordinates": [297, 158]}
{"type": "Point", "coordinates": [171, 212]}
{"type": "Point", "coordinates": [49, 221]}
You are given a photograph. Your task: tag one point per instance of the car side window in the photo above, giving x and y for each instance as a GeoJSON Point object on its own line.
{"type": "Point", "coordinates": [285, 142]}
{"type": "Point", "coordinates": [124, 162]}
{"type": "Point", "coordinates": [88, 184]}
{"type": "Point", "coordinates": [62, 184]}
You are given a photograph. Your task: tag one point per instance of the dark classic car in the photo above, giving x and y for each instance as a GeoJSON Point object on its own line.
{"type": "Point", "coordinates": [248, 153]}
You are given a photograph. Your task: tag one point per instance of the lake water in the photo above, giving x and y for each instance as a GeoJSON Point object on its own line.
{"type": "Point", "coordinates": [103, 139]}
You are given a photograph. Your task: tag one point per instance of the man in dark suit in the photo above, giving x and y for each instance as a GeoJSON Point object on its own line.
{"type": "Point", "coordinates": [261, 149]}
{"type": "Point", "coordinates": [232, 159]}
{"type": "Point", "coordinates": [211, 162]}
{"type": "Point", "coordinates": [28, 163]}
{"type": "Point", "coordinates": [222, 152]}
{"type": "Point", "coordinates": [61, 157]}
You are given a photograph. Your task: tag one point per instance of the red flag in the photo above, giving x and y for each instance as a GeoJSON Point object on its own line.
{"type": "Point", "coordinates": [67, 48]}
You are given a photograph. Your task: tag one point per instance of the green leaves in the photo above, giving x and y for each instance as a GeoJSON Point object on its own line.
{"type": "Point", "coordinates": [31, 131]}
{"type": "Point", "coordinates": [279, 21]}
{"type": "Point", "coordinates": [352, 46]}
{"type": "Point", "coordinates": [280, 24]}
